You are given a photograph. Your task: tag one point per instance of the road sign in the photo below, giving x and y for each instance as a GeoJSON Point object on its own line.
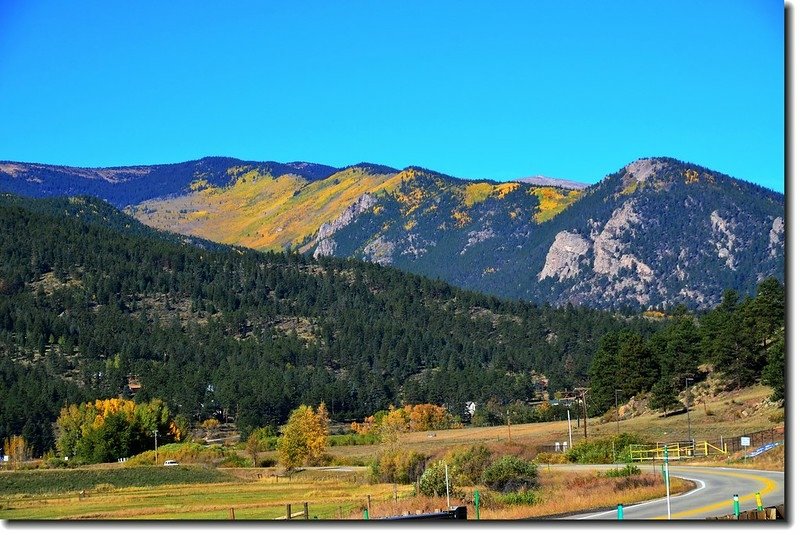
{"type": "Point", "coordinates": [745, 442]}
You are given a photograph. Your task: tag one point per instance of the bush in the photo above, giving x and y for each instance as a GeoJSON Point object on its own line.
{"type": "Point", "coordinates": [776, 417]}
{"type": "Point", "coordinates": [510, 474]}
{"type": "Point", "coordinates": [432, 482]}
{"type": "Point", "coordinates": [602, 450]}
{"type": "Point", "coordinates": [549, 457]}
{"type": "Point", "coordinates": [183, 452]}
{"type": "Point", "coordinates": [353, 439]}
{"type": "Point", "coordinates": [629, 470]}
{"type": "Point", "coordinates": [267, 463]}
{"type": "Point", "coordinates": [397, 466]}
{"type": "Point", "coordinates": [232, 460]}
{"type": "Point", "coordinates": [525, 497]}
{"type": "Point", "coordinates": [466, 464]}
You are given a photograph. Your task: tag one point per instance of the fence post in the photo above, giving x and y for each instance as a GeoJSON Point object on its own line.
{"type": "Point", "coordinates": [231, 514]}
{"type": "Point", "coordinates": [369, 505]}
{"type": "Point", "coordinates": [736, 505]}
{"type": "Point", "coordinates": [619, 511]}
{"type": "Point", "coordinates": [288, 511]}
{"type": "Point", "coordinates": [477, 505]}
{"type": "Point", "coordinates": [305, 510]}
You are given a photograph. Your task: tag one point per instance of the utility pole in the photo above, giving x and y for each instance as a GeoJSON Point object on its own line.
{"type": "Point", "coordinates": [508, 419]}
{"type": "Point", "coordinates": [616, 405]}
{"type": "Point", "coordinates": [155, 435]}
{"type": "Point", "coordinates": [582, 392]}
{"type": "Point", "coordinates": [569, 426]}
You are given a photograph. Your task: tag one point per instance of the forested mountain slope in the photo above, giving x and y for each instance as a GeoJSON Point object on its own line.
{"type": "Point", "coordinates": [88, 298]}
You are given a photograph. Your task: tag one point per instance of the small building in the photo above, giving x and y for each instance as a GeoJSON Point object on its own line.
{"type": "Point", "coordinates": [134, 384]}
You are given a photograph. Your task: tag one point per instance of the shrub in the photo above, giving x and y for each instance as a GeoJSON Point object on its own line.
{"type": "Point", "coordinates": [397, 466]}
{"type": "Point", "coordinates": [549, 457]}
{"type": "Point", "coordinates": [234, 461]}
{"type": "Point", "coordinates": [353, 439]}
{"type": "Point", "coordinates": [525, 497]}
{"type": "Point", "coordinates": [432, 482]}
{"type": "Point", "coordinates": [267, 463]}
{"type": "Point", "coordinates": [603, 450]}
{"type": "Point", "coordinates": [510, 474]}
{"type": "Point", "coordinates": [184, 453]}
{"type": "Point", "coordinates": [466, 464]}
{"type": "Point", "coordinates": [776, 417]}
{"type": "Point", "coordinates": [629, 470]}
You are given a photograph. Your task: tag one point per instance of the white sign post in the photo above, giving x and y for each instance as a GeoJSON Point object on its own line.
{"type": "Point", "coordinates": [745, 442]}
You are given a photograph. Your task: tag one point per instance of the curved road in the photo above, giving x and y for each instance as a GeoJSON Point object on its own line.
{"type": "Point", "coordinates": [712, 497]}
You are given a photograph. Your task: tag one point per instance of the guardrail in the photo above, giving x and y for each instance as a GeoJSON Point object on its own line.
{"type": "Point", "coordinates": [675, 450]}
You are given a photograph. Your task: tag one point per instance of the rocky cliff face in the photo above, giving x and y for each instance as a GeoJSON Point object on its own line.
{"type": "Point", "coordinates": [326, 245]}
{"type": "Point", "coordinates": [565, 256]}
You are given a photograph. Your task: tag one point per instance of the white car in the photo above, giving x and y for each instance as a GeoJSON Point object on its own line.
{"type": "Point", "coordinates": [170, 462]}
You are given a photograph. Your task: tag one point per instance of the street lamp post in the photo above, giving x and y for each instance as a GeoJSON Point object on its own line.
{"type": "Point", "coordinates": [688, 418]}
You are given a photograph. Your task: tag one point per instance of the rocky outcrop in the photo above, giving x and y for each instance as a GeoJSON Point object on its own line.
{"type": "Point", "coordinates": [379, 251]}
{"type": "Point", "coordinates": [564, 257]}
{"type": "Point", "coordinates": [326, 245]}
{"type": "Point", "coordinates": [641, 170]}
{"type": "Point", "coordinates": [611, 245]}
{"type": "Point", "coordinates": [416, 246]}
{"type": "Point", "coordinates": [725, 239]}
{"type": "Point", "coordinates": [475, 237]}
{"type": "Point", "coordinates": [776, 237]}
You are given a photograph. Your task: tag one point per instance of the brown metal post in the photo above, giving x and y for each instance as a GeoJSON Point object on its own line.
{"type": "Point", "coordinates": [369, 504]}
{"type": "Point", "coordinates": [288, 511]}
{"type": "Point", "coordinates": [305, 510]}
{"type": "Point", "coordinates": [231, 514]}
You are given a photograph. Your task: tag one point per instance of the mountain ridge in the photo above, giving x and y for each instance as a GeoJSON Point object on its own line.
{"type": "Point", "coordinates": [657, 232]}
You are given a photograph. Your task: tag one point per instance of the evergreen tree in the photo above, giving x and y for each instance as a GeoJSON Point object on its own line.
{"type": "Point", "coordinates": [775, 371]}
{"type": "Point", "coordinates": [663, 396]}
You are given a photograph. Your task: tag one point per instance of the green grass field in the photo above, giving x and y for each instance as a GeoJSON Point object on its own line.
{"type": "Point", "coordinates": [330, 494]}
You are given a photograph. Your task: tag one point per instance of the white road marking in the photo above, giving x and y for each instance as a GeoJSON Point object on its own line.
{"type": "Point", "coordinates": [700, 486]}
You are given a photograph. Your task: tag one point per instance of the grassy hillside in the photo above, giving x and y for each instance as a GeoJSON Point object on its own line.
{"type": "Point", "coordinates": [259, 210]}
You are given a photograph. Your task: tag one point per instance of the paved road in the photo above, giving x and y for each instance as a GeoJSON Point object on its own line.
{"type": "Point", "coordinates": [712, 497]}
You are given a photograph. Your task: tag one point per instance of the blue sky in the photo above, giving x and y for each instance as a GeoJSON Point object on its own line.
{"type": "Point", "coordinates": [474, 89]}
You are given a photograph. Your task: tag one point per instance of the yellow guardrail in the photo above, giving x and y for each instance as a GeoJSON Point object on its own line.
{"type": "Point", "coordinates": [675, 450]}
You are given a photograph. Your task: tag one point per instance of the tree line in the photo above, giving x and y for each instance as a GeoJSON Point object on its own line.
{"type": "Point", "coordinates": [742, 339]}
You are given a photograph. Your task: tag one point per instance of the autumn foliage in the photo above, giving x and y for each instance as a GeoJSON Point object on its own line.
{"type": "Point", "coordinates": [304, 438]}
{"type": "Point", "coordinates": [108, 429]}
{"type": "Point", "coordinates": [422, 417]}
